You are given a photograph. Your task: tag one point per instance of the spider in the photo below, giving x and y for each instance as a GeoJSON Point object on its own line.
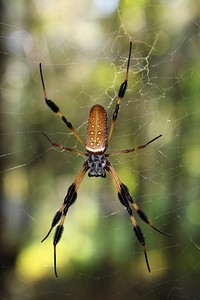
{"type": "Point", "coordinates": [97, 163]}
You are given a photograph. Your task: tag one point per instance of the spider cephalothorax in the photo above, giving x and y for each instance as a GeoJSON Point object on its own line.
{"type": "Point", "coordinates": [97, 163]}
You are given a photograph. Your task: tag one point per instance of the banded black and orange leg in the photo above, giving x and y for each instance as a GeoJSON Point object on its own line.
{"type": "Point", "coordinates": [121, 94]}
{"type": "Point", "coordinates": [60, 215]}
{"type": "Point", "coordinates": [56, 109]}
{"type": "Point", "coordinates": [125, 198]}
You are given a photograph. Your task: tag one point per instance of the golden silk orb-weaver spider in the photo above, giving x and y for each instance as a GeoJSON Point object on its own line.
{"type": "Point", "coordinates": [97, 163]}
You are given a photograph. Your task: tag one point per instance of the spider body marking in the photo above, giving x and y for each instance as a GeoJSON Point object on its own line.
{"type": "Point", "coordinates": [97, 163]}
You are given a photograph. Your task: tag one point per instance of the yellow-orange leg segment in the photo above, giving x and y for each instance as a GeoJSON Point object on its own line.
{"type": "Point", "coordinates": [121, 94]}
{"type": "Point", "coordinates": [56, 109]}
{"type": "Point", "coordinates": [125, 198]}
{"type": "Point", "coordinates": [70, 198]}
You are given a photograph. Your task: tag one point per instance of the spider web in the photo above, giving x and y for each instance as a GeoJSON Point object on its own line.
{"type": "Point", "coordinates": [83, 48]}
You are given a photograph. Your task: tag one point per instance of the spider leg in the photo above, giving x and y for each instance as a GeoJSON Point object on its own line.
{"type": "Point", "coordinates": [64, 147]}
{"type": "Point", "coordinates": [56, 109]}
{"type": "Point", "coordinates": [125, 198]}
{"type": "Point", "coordinates": [133, 149]}
{"type": "Point", "coordinates": [121, 94]}
{"type": "Point", "coordinates": [60, 215]}
{"type": "Point", "coordinates": [125, 201]}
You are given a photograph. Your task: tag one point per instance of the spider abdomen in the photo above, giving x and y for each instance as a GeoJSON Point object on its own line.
{"type": "Point", "coordinates": [97, 131]}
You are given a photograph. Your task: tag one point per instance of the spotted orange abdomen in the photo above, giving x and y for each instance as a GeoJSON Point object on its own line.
{"type": "Point", "coordinates": [97, 131]}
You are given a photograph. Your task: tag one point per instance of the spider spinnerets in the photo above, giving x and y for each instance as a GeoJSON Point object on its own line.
{"type": "Point", "coordinates": [97, 163]}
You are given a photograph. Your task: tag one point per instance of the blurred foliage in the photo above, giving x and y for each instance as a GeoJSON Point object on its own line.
{"type": "Point", "coordinates": [83, 48]}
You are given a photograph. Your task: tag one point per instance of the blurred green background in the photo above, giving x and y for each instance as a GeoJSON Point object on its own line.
{"type": "Point", "coordinates": [83, 48]}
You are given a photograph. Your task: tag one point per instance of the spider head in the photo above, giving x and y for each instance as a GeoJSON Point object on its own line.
{"type": "Point", "coordinates": [97, 164]}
